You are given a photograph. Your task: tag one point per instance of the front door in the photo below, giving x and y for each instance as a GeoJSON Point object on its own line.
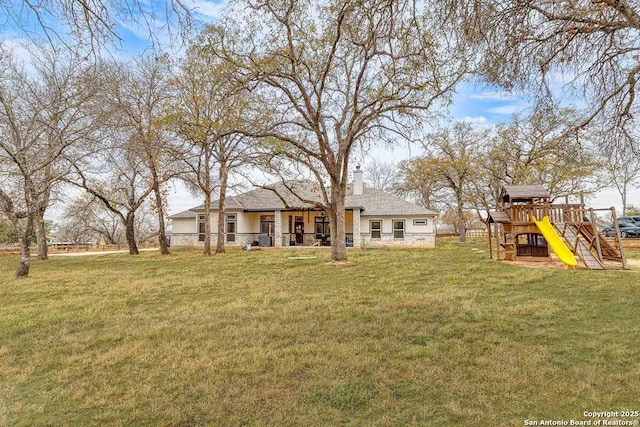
{"type": "Point", "coordinates": [299, 231]}
{"type": "Point", "coordinates": [267, 230]}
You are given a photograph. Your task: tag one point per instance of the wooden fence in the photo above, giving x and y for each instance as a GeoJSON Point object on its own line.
{"type": "Point", "coordinates": [470, 233]}
{"type": "Point", "coordinates": [65, 248]}
{"type": "Point", "coordinates": [628, 243]}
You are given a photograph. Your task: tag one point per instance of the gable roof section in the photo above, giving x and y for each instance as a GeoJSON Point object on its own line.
{"type": "Point", "coordinates": [373, 202]}
{"type": "Point", "coordinates": [292, 195]}
{"type": "Point", "coordinates": [184, 214]}
{"type": "Point", "coordinates": [379, 203]}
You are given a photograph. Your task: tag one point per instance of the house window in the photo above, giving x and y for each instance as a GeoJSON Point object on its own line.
{"type": "Point", "coordinates": [322, 227]}
{"type": "Point", "coordinates": [200, 228]}
{"type": "Point", "coordinates": [398, 229]}
{"type": "Point", "coordinates": [231, 228]}
{"type": "Point", "coordinates": [420, 222]}
{"type": "Point", "coordinates": [376, 229]}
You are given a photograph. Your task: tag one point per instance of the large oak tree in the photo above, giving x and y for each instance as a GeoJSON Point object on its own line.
{"type": "Point", "coordinates": [207, 114]}
{"type": "Point", "coordinates": [137, 94]}
{"type": "Point", "coordinates": [330, 75]}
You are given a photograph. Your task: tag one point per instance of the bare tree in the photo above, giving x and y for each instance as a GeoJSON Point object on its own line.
{"type": "Point", "coordinates": [137, 95]}
{"type": "Point", "coordinates": [451, 217]}
{"type": "Point", "coordinates": [22, 219]}
{"type": "Point", "coordinates": [430, 193]}
{"type": "Point", "coordinates": [20, 135]}
{"type": "Point", "coordinates": [86, 219]}
{"type": "Point", "coordinates": [94, 23]}
{"type": "Point", "coordinates": [208, 112]}
{"type": "Point", "coordinates": [66, 85]}
{"type": "Point", "coordinates": [450, 164]}
{"type": "Point", "coordinates": [334, 74]}
{"type": "Point", "coordinates": [489, 178]}
{"type": "Point", "coordinates": [621, 164]}
{"type": "Point", "coordinates": [382, 175]}
{"type": "Point", "coordinates": [41, 119]}
{"type": "Point", "coordinates": [589, 47]}
{"type": "Point", "coordinates": [541, 148]}
{"type": "Point", "coordinates": [118, 179]}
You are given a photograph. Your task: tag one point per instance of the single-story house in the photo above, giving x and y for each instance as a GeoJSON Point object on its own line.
{"type": "Point", "coordinates": [282, 215]}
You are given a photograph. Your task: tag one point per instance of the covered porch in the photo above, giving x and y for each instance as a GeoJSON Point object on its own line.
{"type": "Point", "coordinates": [292, 228]}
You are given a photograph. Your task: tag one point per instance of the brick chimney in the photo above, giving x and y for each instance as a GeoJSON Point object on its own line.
{"type": "Point", "coordinates": [358, 181]}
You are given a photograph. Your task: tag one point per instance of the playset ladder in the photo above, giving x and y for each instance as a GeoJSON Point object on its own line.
{"type": "Point", "coordinates": [587, 231]}
{"type": "Point", "coordinates": [574, 241]}
{"type": "Point", "coordinates": [606, 249]}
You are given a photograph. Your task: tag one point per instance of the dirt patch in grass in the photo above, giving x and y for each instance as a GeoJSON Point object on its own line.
{"type": "Point", "coordinates": [340, 263]}
{"type": "Point", "coordinates": [556, 264]}
{"type": "Point", "coordinates": [633, 262]}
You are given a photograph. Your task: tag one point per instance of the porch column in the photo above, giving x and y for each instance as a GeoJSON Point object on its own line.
{"type": "Point", "coordinates": [356, 228]}
{"type": "Point", "coordinates": [277, 229]}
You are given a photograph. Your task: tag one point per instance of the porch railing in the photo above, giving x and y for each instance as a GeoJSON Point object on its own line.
{"type": "Point", "coordinates": [310, 239]}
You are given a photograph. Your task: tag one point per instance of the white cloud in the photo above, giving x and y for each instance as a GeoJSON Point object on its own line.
{"type": "Point", "coordinates": [508, 109]}
{"type": "Point", "coordinates": [19, 48]}
{"type": "Point", "coordinates": [479, 120]}
{"type": "Point", "coordinates": [211, 9]}
{"type": "Point", "coordinates": [496, 95]}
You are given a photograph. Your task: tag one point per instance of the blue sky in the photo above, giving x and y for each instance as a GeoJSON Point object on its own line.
{"type": "Point", "coordinates": [485, 104]}
{"type": "Point", "coordinates": [479, 104]}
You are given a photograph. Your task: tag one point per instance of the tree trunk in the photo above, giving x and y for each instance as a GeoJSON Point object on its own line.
{"type": "Point", "coordinates": [43, 249]}
{"type": "Point", "coordinates": [108, 238]}
{"type": "Point", "coordinates": [462, 229]}
{"type": "Point", "coordinates": [164, 249]}
{"type": "Point", "coordinates": [25, 250]}
{"type": "Point", "coordinates": [131, 234]}
{"type": "Point", "coordinates": [207, 222]}
{"type": "Point", "coordinates": [337, 224]}
{"type": "Point", "coordinates": [224, 173]}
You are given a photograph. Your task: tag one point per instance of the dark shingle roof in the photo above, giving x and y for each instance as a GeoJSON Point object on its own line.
{"type": "Point", "coordinates": [288, 195]}
{"type": "Point", "coordinates": [373, 202]}
{"type": "Point", "coordinates": [379, 203]}
{"type": "Point", "coordinates": [184, 214]}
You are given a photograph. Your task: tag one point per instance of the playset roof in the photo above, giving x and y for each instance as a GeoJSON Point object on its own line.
{"type": "Point", "coordinates": [525, 192]}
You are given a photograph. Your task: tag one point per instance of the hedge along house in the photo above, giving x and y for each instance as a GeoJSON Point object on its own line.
{"type": "Point", "coordinates": [278, 216]}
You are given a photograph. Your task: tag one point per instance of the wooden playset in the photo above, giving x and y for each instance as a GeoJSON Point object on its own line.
{"type": "Point", "coordinates": [527, 225]}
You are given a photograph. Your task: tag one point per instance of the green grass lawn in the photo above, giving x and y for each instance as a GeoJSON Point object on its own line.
{"type": "Point", "coordinates": [424, 337]}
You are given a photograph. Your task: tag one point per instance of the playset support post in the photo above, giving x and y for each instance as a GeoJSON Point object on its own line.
{"type": "Point", "coordinates": [619, 238]}
{"type": "Point", "coordinates": [489, 234]}
{"type": "Point", "coordinates": [594, 227]}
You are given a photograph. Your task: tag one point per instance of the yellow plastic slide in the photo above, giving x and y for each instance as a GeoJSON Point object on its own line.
{"type": "Point", "coordinates": [555, 242]}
